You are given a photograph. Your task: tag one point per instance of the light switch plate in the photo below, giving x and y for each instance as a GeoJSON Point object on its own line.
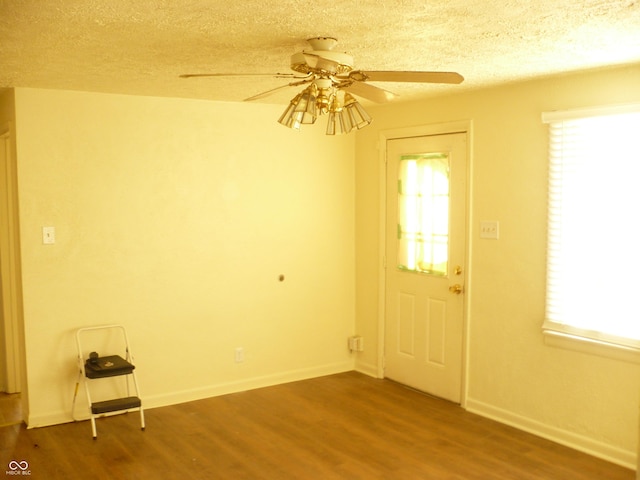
{"type": "Point", "coordinates": [490, 229]}
{"type": "Point", "coordinates": [48, 235]}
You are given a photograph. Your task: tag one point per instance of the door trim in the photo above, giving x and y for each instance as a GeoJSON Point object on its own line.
{"type": "Point", "coordinates": [462, 126]}
{"type": "Point", "coordinates": [9, 270]}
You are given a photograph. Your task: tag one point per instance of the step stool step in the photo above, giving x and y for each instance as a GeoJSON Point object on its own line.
{"type": "Point", "coordinates": [115, 405]}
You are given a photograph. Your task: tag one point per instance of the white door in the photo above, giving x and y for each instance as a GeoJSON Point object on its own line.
{"type": "Point", "coordinates": [425, 262]}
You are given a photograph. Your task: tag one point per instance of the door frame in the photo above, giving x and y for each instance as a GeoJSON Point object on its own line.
{"type": "Point", "coordinates": [9, 270]}
{"type": "Point", "coordinates": [462, 126]}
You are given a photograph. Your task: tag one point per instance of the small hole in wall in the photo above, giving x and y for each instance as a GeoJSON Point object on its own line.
{"type": "Point", "coordinates": [281, 278]}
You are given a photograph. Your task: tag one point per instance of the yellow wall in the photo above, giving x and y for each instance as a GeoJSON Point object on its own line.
{"type": "Point", "coordinates": [579, 399]}
{"type": "Point", "coordinates": [175, 218]}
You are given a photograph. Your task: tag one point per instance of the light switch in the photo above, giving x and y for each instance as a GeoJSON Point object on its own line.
{"type": "Point", "coordinates": [490, 229]}
{"type": "Point", "coordinates": [48, 235]}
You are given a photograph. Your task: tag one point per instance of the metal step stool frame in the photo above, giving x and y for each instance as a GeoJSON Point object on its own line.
{"type": "Point", "coordinates": [118, 405]}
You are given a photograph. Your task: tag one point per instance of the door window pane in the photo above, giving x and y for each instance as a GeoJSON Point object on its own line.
{"type": "Point", "coordinates": [423, 213]}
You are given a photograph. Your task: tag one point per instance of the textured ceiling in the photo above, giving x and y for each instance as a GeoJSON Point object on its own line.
{"type": "Point", "coordinates": [141, 46]}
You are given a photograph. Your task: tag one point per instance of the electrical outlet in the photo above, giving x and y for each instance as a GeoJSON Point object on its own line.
{"type": "Point", "coordinates": [356, 343]}
{"type": "Point", "coordinates": [239, 355]}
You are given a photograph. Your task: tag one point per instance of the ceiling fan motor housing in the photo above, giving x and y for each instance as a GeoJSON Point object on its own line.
{"type": "Point", "coordinates": [322, 47]}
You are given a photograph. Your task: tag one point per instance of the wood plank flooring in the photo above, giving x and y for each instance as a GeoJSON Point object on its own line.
{"type": "Point", "coordinates": [10, 411]}
{"type": "Point", "coordinates": [345, 426]}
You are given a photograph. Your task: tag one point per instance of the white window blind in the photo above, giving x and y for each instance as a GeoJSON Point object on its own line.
{"type": "Point", "coordinates": [593, 261]}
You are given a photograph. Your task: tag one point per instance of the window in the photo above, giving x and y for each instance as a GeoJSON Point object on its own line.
{"type": "Point", "coordinates": [593, 260]}
{"type": "Point", "coordinates": [423, 213]}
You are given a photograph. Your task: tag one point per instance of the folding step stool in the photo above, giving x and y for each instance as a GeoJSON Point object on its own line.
{"type": "Point", "coordinates": [98, 367]}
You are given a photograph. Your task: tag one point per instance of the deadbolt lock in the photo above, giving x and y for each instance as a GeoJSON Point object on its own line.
{"type": "Point", "coordinates": [457, 270]}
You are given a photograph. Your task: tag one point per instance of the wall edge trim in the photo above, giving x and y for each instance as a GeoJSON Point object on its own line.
{"type": "Point", "coordinates": [610, 453]}
{"type": "Point", "coordinates": [200, 393]}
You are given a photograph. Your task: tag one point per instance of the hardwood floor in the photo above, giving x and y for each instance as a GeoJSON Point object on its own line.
{"type": "Point", "coordinates": [10, 411]}
{"type": "Point", "coordinates": [345, 426]}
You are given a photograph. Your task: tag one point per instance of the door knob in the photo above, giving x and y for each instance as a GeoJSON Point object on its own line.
{"type": "Point", "coordinates": [457, 289]}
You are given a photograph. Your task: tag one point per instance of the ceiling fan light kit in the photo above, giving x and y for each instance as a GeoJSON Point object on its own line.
{"type": "Point", "coordinates": [343, 115]}
{"type": "Point", "coordinates": [301, 110]}
{"type": "Point", "coordinates": [333, 82]}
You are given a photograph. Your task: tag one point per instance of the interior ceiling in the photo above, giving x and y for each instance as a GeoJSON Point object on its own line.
{"type": "Point", "coordinates": [141, 46]}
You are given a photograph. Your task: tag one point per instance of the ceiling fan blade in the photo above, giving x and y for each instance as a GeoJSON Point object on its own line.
{"type": "Point", "coordinates": [370, 92]}
{"type": "Point", "coordinates": [417, 77]}
{"type": "Point", "coordinates": [276, 75]}
{"type": "Point", "coordinates": [321, 63]}
{"type": "Point", "coordinates": [273, 90]}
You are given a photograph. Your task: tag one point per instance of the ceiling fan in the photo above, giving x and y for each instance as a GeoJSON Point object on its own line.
{"type": "Point", "coordinates": [332, 81]}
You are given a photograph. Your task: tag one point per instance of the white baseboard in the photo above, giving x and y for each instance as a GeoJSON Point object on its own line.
{"type": "Point", "coordinates": [367, 369]}
{"type": "Point", "coordinates": [619, 456]}
{"type": "Point", "coordinates": [48, 419]}
{"type": "Point", "coordinates": [173, 398]}
{"type": "Point", "coordinates": [199, 393]}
